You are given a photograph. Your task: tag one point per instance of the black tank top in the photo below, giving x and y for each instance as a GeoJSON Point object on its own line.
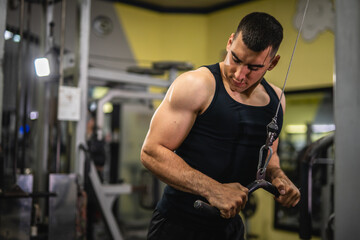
{"type": "Point", "coordinates": [224, 144]}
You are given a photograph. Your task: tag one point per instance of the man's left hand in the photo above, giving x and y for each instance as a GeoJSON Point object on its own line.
{"type": "Point", "coordinates": [289, 193]}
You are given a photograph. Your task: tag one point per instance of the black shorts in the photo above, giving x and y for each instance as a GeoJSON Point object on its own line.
{"type": "Point", "coordinates": [165, 228]}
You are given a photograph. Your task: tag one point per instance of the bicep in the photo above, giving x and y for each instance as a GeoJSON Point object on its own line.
{"type": "Point", "coordinates": [176, 115]}
{"type": "Point", "coordinates": [170, 125]}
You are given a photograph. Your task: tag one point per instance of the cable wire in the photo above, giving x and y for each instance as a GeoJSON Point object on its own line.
{"type": "Point", "coordinates": [291, 59]}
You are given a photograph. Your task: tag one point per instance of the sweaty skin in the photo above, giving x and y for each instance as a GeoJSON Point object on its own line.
{"type": "Point", "coordinates": [189, 96]}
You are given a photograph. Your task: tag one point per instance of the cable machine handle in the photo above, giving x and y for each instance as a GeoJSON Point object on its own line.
{"type": "Point", "coordinates": [267, 186]}
{"type": "Point", "coordinates": [211, 210]}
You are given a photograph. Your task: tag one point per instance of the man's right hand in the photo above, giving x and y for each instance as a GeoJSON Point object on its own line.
{"type": "Point", "coordinates": [229, 198]}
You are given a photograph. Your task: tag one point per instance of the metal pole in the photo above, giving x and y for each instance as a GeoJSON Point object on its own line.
{"type": "Point", "coordinates": [3, 8]}
{"type": "Point", "coordinates": [42, 104]}
{"type": "Point", "coordinates": [347, 115]}
{"type": "Point", "coordinates": [61, 82]}
{"type": "Point", "coordinates": [83, 54]}
{"type": "Point", "coordinates": [26, 91]}
{"type": "Point", "coordinates": [19, 88]}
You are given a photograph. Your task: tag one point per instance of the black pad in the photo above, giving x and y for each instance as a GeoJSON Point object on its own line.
{"type": "Point", "coordinates": [166, 65]}
{"type": "Point", "coordinates": [145, 71]}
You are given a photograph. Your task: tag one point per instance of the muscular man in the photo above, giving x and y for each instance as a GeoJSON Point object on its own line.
{"type": "Point", "coordinates": [205, 137]}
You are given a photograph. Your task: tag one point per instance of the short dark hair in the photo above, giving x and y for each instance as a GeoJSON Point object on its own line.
{"type": "Point", "coordinates": [259, 31]}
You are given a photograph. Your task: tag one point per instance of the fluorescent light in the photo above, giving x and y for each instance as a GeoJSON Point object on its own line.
{"type": "Point", "coordinates": [99, 92]}
{"type": "Point", "coordinates": [322, 128]}
{"type": "Point", "coordinates": [108, 107]}
{"type": "Point", "coordinates": [8, 35]}
{"type": "Point", "coordinates": [92, 106]}
{"type": "Point", "coordinates": [34, 115]}
{"type": "Point", "coordinates": [300, 128]}
{"type": "Point", "coordinates": [16, 38]}
{"type": "Point", "coordinates": [315, 128]}
{"type": "Point", "coordinates": [42, 67]}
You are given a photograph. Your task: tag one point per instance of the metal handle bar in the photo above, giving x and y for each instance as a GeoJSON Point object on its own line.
{"type": "Point", "coordinates": [211, 210]}
{"type": "Point", "coordinates": [264, 185]}
{"type": "Point", "coordinates": [206, 208]}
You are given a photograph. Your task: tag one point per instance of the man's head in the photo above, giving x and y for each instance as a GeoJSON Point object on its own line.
{"type": "Point", "coordinates": [259, 31]}
{"type": "Point", "coordinates": [251, 51]}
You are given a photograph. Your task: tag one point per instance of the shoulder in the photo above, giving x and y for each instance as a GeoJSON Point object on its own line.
{"type": "Point", "coordinates": [199, 78]}
{"type": "Point", "coordinates": [278, 92]}
{"type": "Point", "coordinates": [192, 89]}
{"type": "Point", "coordinates": [276, 89]}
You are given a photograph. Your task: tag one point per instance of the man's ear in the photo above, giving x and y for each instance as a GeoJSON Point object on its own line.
{"type": "Point", "coordinates": [274, 62]}
{"type": "Point", "coordinates": [230, 41]}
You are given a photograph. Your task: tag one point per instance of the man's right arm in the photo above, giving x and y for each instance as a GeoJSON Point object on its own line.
{"type": "Point", "coordinates": [188, 96]}
{"type": "Point", "coordinates": [169, 126]}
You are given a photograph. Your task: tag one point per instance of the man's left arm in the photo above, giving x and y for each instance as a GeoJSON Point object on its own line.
{"type": "Point", "coordinates": [289, 193]}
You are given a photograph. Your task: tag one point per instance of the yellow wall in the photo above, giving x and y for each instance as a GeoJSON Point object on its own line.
{"type": "Point", "coordinates": [155, 36]}
{"type": "Point", "coordinates": [201, 39]}
{"type": "Point", "coordinates": [312, 66]}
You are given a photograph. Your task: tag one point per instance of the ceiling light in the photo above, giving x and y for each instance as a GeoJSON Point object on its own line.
{"type": "Point", "coordinates": [42, 67]}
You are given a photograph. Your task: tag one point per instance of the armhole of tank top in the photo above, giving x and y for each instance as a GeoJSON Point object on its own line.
{"type": "Point", "coordinates": [270, 90]}
{"type": "Point", "coordinates": [215, 94]}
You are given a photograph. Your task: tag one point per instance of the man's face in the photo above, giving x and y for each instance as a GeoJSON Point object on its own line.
{"type": "Point", "coordinates": [243, 67]}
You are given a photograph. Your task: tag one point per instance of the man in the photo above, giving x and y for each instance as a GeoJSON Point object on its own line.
{"type": "Point", "coordinates": [205, 137]}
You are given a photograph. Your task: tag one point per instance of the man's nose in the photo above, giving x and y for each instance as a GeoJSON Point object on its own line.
{"type": "Point", "coordinates": [241, 71]}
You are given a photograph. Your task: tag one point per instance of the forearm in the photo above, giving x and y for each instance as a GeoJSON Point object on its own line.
{"type": "Point", "coordinates": [174, 171]}
{"type": "Point", "coordinates": [274, 171]}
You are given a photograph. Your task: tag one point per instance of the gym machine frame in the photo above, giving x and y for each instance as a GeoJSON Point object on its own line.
{"type": "Point", "coordinates": [107, 193]}
{"type": "Point", "coordinates": [311, 158]}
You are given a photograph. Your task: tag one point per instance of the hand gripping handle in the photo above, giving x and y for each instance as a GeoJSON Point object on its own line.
{"type": "Point", "coordinates": [207, 208]}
